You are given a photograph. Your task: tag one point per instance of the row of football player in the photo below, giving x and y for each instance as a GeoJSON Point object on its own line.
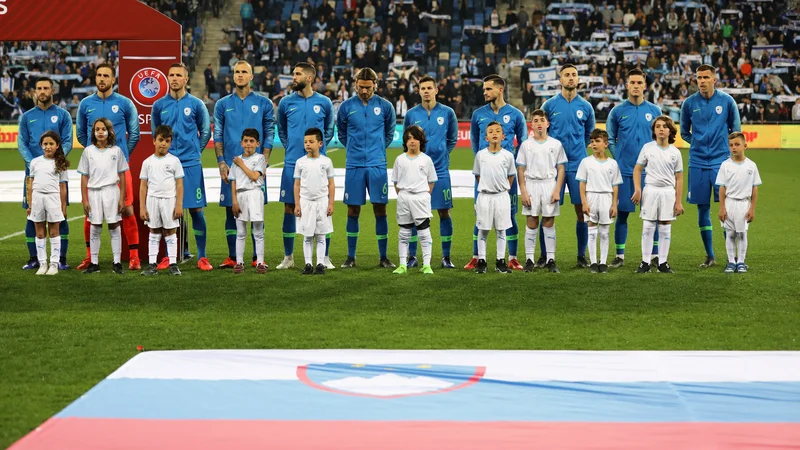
{"type": "Point", "coordinates": [539, 163]}
{"type": "Point", "coordinates": [707, 118]}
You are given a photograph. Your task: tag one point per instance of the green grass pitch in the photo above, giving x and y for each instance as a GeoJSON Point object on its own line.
{"type": "Point", "coordinates": [61, 335]}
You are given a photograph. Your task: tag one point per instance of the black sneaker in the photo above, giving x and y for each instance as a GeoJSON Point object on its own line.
{"type": "Point", "coordinates": [594, 268]}
{"type": "Point", "coordinates": [582, 263]}
{"type": "Point", "coordinates": [117, 268]}
{"type": "Point", "coordinates": [320, 270]}
{"type": "Point", "coordinates": [412, 262]}
{"type": "Point", "coordinates": [617, 262]}
{"type": "Point", "coordinates": [152, 269]}
{"type": "Point", "coordinates": [349, 263]}
{"type": "Point", "coordinates": [187, 256]}
{"type": "Point", "coordinates": [603, 268]}
{"type": "Point", "coordinates": [174, 270]}
{"type": "Point", "coordinates": [386, 264]}
{"type": "Point", "coordinates": [529, 265]}
{"type": "Point", "coordinates": [93, 268]}
{"type": "Point", "coordinates": [308, 269]}
{"type": "Point", "coordinates": [501, 266]}
{"type": "Point", "coordinates": [447, 264]}
{"type": "Point", "coordinates": [481, 266]}
{"type": "Point", "coordinates": [552, 267]}
{"type": "Point", "coordinates": [541, 262]}
{"type": "Point", "coordinates": [643, 268]}
{"type": "Point", "coordinates": [709, 262]}
{"type": "Point", "coordinates": [654, 261]}
{"type": "Point", "coordinates": [665, 268]}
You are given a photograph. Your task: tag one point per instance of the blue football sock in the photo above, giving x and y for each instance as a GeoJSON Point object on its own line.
{"type": "Point", "coordinates": [30, 238]}
{"type": "Point", "coordinates": [412, 244]}
{"type": "Point", "coordinates": [706, 232]}
{"type": "Point", "coordinates": [352, 236]}
{"type": "Point", "coordinates": [512, 236]}
{"type": "Point", "coordinates": [446, 232]}
{"type": "Point", "coordinates": [253, 240]}
{"type": "Point", "coordinates": [621, 232]}
{"type": "Point", "coordinates": [542, 245]}
{"type": "Point", "coordinates": [289, 228]}
{"type": "Point", "coordinates": [328, 244]}
{"type": "Point", "coordinates": [582, 232]}
{"type": "Point", "coordinates": [382, 233]}
{"type": "Point", "coordinates": [63, 230]}
{"type": "Point", "coordinates": [230, 232]}
{"type": "Point", "coordinates": [475, 242]}
{"type": "Point", "coordinates": [199, 227]}
{"type": "Point", "coordinates": [655, 242]}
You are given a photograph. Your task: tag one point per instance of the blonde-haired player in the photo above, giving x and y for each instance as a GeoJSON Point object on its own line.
{"type": "Point", "coordinates": [738, 179]}
{"type": "Point", "coordinates": [247, 185]}
{"type": "Point", "coordinates": [413, 176]}
{"type": "Point", "coordinates": [162, 184]}
{"type": "Point", "coordinates": [494, 170]}
{"type": "Point", "coordinates": [663, 189]}
{"type": "Point", "coordinates": [600, 178]}
{"type": "Point", "coordinates": [314, 192]}
{"type": "Point", "coordinates": [540, 163]}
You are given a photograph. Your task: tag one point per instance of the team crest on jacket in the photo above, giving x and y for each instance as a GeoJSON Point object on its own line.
{"type": "Point", "coordinates": [580, 114]}
{"type": "Point", "coordinates": [440, 120]}
{"type": "Point", "coordinates": [718, 109]}
{"type": "Point", "coordinates": [506, 118]}
{"type": "Point", "coordinates": [648, 117]}
{"type": "Point", "coordinates": [317, 109]}
{"type": "Point", "coordinates": [115, 109]}
{"type": "Point", "coordinates": [54, 119]}
{"type": "Point", "coordinates": [148, 85]}
{"type": "Point", "coordinates": [388, 381]}
{"type": "Point", "coordinates": [187, 111]}
{"type": "Point", "coordinates": [254, 108]}
{"type": "Point", "coordinates": [377, 111]}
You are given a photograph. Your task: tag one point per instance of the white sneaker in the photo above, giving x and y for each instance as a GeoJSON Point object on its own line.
{"type": "Point", "coordinates": [287, 263]}
{"type": "Point", "coordinates": [42, 269]}
{"type": "Point", "coordinates": [53, 270]}
{"type": "Point", "coordinates": [328, 264]}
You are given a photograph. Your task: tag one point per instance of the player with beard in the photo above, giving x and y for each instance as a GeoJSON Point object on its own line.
{"type": "Point", "coordinates": [366, 128]}
{"type": "Point", "coordinates": [299, 111]}
{"type": "Point", "coordinates": [513, 123]}
{"type": "Point", "coordinates": [191, 130]}
{"type": "Point", "coordinates": [571, 121]}
{"type": "Point", "coordinates": [32, 125]}
{"type": "Point", "coordinates": [120, 110]}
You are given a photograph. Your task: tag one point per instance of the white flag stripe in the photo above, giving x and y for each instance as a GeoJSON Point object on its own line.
{"type": "Point", "coordinates": [515, 366]}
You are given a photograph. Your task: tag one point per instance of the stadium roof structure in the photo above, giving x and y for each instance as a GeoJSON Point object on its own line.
{"type": "Point", "coordinates": [117, 20]}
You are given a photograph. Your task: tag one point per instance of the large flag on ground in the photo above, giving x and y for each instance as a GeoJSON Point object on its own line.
{"type": "Point", "coordinates": [426, 400]}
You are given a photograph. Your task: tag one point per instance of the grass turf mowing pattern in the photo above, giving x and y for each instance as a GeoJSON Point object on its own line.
{"type": "Point", "coordinates": [63, 334]}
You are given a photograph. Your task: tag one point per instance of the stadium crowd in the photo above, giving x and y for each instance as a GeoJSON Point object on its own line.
{"type": "Point", "coordinates": [755, 46]}
{"type": "Point", "coordinates": [72, 65]}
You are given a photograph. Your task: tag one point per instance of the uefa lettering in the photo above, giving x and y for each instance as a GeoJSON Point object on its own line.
{"type": "Point", "coordinates": [147, 86]}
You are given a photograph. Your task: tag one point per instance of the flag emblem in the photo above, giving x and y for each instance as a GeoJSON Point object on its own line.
{"type": "Point", "coordinates": [390, 380]}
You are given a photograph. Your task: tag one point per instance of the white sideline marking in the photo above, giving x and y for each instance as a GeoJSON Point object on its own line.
{"type": "Point", "coordinates": [20, 233]}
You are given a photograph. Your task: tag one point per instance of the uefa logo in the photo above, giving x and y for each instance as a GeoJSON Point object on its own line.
{"type": "Point", "coordinates": [147, 86]}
